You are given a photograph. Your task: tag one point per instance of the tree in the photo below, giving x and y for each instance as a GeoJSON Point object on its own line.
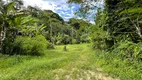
{"type": "Point", "coordinates": [86, 6]}
{"type": "Point", "coordinates": [13, 20]}
{"type": "Point", "coordinates": [124, 19]}
{"type": "Point", "coordinates": [81, 28]}
{"type": "Point", "coordinates": [7, 13]}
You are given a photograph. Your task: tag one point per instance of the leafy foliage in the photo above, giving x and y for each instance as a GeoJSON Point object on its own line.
{"type": "Point", "coordinates": [99, 38]}
{"type": "Point", "coordinates": [128, 51]}
{"type": "Point", "coordinates": [30, 22]}
{"type": "Point", "coordinates": [30, 46]}
{"type": "Point", "coordinates": [118, 28]}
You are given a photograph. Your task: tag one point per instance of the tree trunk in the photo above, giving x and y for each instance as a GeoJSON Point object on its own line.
{"type": "Point", "coordinates": [2, 36]}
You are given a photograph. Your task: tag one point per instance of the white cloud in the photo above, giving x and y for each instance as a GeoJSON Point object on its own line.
{"type": "Point", "coordinates": [47, 4]}
{"type": "Point", "coordinates": [40, 3]}
{"type": "Point", "coordinates": [58, 6]}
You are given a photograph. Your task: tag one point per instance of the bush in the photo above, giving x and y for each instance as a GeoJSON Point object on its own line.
{"type": "Point", "coordinates": [128, 50]}
{"type": "Point", "coordinates": [99, 38]}
{"type": "Point", "coordinates": [66, 39]}
{"type": "Point", "coordinates": [74, 41]}
{"type": "Point", "coordinates": [50, 45]}
{"type": "Point", "coordinates": [85, 38]}
{"type": "Point", "coordinates": [30, 46]}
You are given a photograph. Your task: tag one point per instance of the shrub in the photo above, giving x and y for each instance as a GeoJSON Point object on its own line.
{"type": "Point", "coordinates": [99, 38]}
{"type": "Point", "coordinates": [66, 39]}
{"type": "Point", "coordinates": [30, 46]}
{"type": "Point", "coordinates": [7, 46]}
{"type": "Point", "coordinates": [58, 42]}
{"type": "Point", "coordinates": [74, 41]}
{"type": "Point", "coordinates": [128, 50]}
{"type": "Point", "coordinates": [50, 45]}
{"type": "Point", "coordinates": [85, 38]}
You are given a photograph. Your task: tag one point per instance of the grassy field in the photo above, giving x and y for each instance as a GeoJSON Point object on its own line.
{"type": "Point", "coordinates": [74, 64]}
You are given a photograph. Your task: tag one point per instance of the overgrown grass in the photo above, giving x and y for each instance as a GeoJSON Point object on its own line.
{"type": "Point", "coordinates": [114, 65]}
{"type": "Point", "coordinates": [20, 67]}
{"type": "Point", "coordinates": [78, 62]}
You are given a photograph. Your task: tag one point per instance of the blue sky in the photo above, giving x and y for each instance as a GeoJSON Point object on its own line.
{"type": "Point", "coordinates": [66, 11]}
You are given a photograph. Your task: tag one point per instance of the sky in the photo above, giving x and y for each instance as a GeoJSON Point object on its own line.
{"type": "Point", "coordinates": [66, 11]}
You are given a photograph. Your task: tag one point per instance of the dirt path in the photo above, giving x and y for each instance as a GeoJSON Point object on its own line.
{"type": "Point", "coordinates": [79, 74]}
{"type": "Point", "coordinates": [76, 71]}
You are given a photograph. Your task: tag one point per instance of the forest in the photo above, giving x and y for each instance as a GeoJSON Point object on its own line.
{"type": "Point", "coordinates": [37, 44]}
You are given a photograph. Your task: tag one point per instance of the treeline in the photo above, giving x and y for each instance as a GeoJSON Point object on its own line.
{"type": "Point", "coordinates": [118, 36]}
{"type": "Point", "coordinates": [30, 30]}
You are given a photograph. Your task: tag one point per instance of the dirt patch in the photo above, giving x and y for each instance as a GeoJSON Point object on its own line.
{"type": "Point", "coordinates": [79, 74]}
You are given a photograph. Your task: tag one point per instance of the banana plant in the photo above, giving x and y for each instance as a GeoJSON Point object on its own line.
{"type": "Point", "coordinates": [12, 20]}
{"type": "Point", "coordinates": [33, 30]}
{"type": "Point", "coordinates": [6, 13]}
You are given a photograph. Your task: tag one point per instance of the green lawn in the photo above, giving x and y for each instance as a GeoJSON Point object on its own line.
{"type": "Point", "coordinates": [76, 63]}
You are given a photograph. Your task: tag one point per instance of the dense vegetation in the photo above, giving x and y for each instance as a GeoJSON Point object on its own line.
{"type": "Point", "coordinates": [20, 25]}
{"type": "Point", "coordinates": [116, 36]}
